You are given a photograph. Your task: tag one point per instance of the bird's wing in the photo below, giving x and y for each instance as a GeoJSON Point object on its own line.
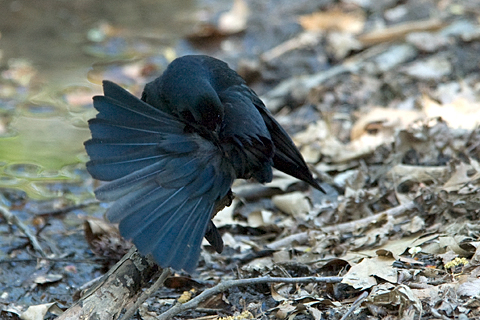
{"type": "Point", "coordinates": [246, 137]}
{"type": "Point", "coordinates": [165, 183]}
{"type": "Point", "coordinates": [287, 157]}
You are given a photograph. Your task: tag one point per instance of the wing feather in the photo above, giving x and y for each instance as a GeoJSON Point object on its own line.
{"type": "Point", "coordinates": [165, 182]}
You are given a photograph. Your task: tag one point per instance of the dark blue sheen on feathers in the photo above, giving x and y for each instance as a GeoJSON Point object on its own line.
{"type": "Point", "coordinates": [171, 157]}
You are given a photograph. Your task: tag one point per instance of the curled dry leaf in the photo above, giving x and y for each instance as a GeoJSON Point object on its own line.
{"type": "Point", "coordinates": [444, 244]}
{"type": "Point", "coordinates": [416, 224]}
{"type": "Point", "coordinates": [307, 139]}
{"type": "Point", "coordinates": [104, 238]}
{"type": "Point", "coordinates": [282, 181]}
{"type": "Point", "coordinates": [258, 265]}
{"type": "Point", "coordinates": [230, 241]}
{"type": "Point", "coordinates": [95, 228]}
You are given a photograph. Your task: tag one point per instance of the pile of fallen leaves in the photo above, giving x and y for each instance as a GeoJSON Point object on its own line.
{"type": "Point", "coordinates": [382, 99]}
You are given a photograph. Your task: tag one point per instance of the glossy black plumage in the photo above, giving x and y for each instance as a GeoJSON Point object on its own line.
{"type": "Point", "coordinates": [172, 156]}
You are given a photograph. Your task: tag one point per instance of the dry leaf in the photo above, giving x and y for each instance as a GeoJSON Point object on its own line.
{"type": "Point", "coordinates": [383, 122]}
{"type": "Point", "coordinates": [459, 114]}
{"type": "Point", "coordinates": [235, 20]}
{"type": "Point", "coordinates": [295, 203]}
{"type": "Point", "coordinates": [461, 177]}
{"type": "Point", "coordinates": [283, 310]}
{"type": "Point", "coordinates": [275, 295]}
{"type": "Point", "coordinates": [38, 312]}
{"type": "Point", "coordinates": [402, 173]}
{"type": "Point", "coordinates": [231, 242]}
{"type": "Point", "coordinates": [470, 288]}
{"type": "Point", "coordinates": [282, 181]}
{"type": "Point", "coordinates": [372, 130]}
{"type": "Point", "coordinates": [335, 19]}
{"type": "Point", "coordinates": [260, 218]}
{"type": "Point", "coordinates": [401, 296]}
{"type": "Point", "coordinates": [340, 44]}
{"type": "Point", "coordinates": [427, 41]}
{"type": "Point", "coordinates": [258, 265]}
{"type": "Point", "coordinates": [433, 68]}
{"type": "Point", "coordinates": [361, 276]}
{"type": "Point", "coordinates": [49, 278]}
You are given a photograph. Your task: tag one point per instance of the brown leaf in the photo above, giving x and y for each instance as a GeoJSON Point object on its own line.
{"type": "Point", "coordinates": [334, 19]}
{"type": "Point", "coordinates": [361, 276]}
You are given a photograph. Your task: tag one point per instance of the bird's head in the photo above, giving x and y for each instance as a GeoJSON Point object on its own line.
{"type": "Point", "coordinates": [186, 90]}
{"type": "Point", "coordinates": [201, 107]}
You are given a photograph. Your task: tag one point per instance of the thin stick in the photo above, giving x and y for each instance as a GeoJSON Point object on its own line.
{"type": "Point", "coordinates": [68, 209]}
{"type": "Point", "coordinates": [146, 294]}
{"type": "Point", "coordinates": [357, 302]}
{"type": "Point", "coordinates": [223, 286]}
{"type": "Point", "coordinates": [350, 226]}
{"type": "Point", "coordinates": [22, 227]}
{"type": "Point", "coordinates": [357, 224]}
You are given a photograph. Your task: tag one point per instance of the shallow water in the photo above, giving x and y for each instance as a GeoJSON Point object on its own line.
{"type": "Point", "coordinates": [48, 52]}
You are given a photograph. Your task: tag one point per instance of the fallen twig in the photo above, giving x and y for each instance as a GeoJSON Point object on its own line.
{"type": "Point", "coordinates": [223, 286]}
{"type": "Point", "coordinates": [303, 237]}
{"type": "Point", "coordinates": [384, 56]}
{"type": "Point", "coordinates": [299, 238]}
{"type": "Point", "coordinates": [357, 302]}
{"type": "Point", "coordinates": [11, 219]}
{"type": "Point", "coordinates": [358, 224]}
{"type": "Point", "coordinates": [399, 31]}
{"type": "Point", "coordinates": [68, 209]}
{"type": "Point", "coordinates": [147, 293]}
{"type": "Point", "coordinates": [119, 287]}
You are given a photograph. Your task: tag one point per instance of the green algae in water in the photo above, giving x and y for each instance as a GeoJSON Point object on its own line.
{"type": "Point", "coordinates": [39, 151]}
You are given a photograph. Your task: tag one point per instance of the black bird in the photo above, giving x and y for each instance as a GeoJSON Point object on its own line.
{"type": "Point", "coordinates": [172, 156]}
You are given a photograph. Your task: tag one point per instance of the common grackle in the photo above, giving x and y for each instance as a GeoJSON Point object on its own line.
{"type": "Point", "coordinates": [171, 157]}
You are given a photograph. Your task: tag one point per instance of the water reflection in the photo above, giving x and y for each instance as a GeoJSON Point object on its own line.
{"type": "Point", "coordinates": [53, 33]}
{"type": "Point", "coordinates": [47, 49]}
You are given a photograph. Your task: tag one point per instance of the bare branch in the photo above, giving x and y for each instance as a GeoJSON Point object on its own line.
{"type": "Point", "coordinates": [223, 286]}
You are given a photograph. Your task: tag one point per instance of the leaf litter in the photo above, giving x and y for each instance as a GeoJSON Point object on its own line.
{"type": "Point", "coordinates": [395, 138]}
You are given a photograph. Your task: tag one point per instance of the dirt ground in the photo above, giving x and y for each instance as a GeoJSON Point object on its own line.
{"type": "Point", "coordinates": [383, 100]}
